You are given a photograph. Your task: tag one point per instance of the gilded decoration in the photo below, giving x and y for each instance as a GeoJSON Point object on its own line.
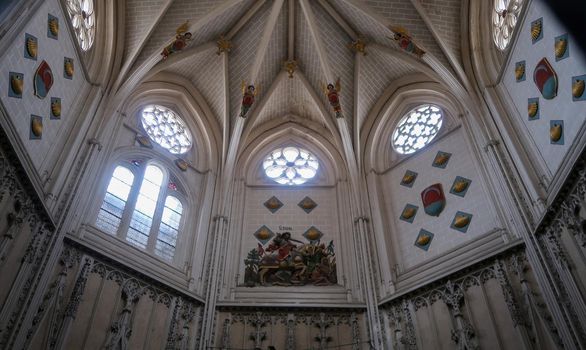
{"type": "Point", "coordinates": [289, 262]}
{"type": "Point", "coordinates": [461, 221]}
{"type": "Point", "coordinates": [460, 186]}
{"type": "Point", "coordinates": [423, 240]}
{"type": "Point", "coordinates": [273, 204]}
{"type": "Point", "coordinates": [409, 178]}
{"type": "Point", "coordinates": [264, 234]}
{"type": "Point", "coordinates": [307, 204]}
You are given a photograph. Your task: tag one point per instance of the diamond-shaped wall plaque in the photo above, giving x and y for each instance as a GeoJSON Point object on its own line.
{"type": "Point", "coordinates": [273, 204]}
{"type": "Point", "coordinates": [264, 234]}
{"type": "Point", "coordinates": [423, 239]}
{"type": "Point", "coordinates": [313, 234]}
{"type": "Point", "coordinates": [307, 204]}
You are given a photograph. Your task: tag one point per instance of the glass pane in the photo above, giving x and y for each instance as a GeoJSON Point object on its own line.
{"type": "Point", "coordinates": [174, 204]}
{"type": "Point", "coordinates": [154, 174]}
{"type": "Point", "coordinates": [146, 203]}
{"type": "Point", "coordinates": [115, 200]}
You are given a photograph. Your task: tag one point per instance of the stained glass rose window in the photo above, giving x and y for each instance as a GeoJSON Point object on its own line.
{"type": "Point", "coordinates": [290, 165]}
{"type": "Point", "coordinates": [504, 19]}
{"type": "Point", "coordinates": [166, 128]}
{"type": "Point", "coordinates": [83, 20]}
{"type": "Point", "coordinates": [417, 128]}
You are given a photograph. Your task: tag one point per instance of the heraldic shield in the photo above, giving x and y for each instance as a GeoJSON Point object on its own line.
{"type": "Point", "coordinates": [433, 199]}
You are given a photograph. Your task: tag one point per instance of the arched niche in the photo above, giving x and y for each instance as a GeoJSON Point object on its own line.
{"type": "Point", "coordinates": [204, 130]}
{"type": "Point", "coordinates": [379, 154]}
{"type": "Point", "coordinates": [331, 164]}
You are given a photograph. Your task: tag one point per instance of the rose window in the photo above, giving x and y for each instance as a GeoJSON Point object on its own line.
{"type": "Point", "coordinates": [290, 165]}
{"type": "Point", "coordinates": [418, 128]}
{"type": "Point", "coordinates": [83, 20]}
{"type": "Point", "coordinates": [166, 128]}
{"type": "Point", "coordinates": [504, 18]}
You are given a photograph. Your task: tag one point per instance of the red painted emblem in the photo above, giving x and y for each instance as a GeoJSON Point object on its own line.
{"type": "Point", "coordinates": [43, 80]}
{"type": "Point", "coordinates": [433, 199]}
{"type": "Point", "coordinates": [546, 79]}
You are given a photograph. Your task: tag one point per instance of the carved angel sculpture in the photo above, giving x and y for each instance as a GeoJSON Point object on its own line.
{"type": "Point", "coordinates": [248, 94]}
{"type": "Point", "coordinates": [180, 42]}
{"type": "Point", "coordinates": [405, 41]}
{"type": "Point", "coordinates": [332, 91]}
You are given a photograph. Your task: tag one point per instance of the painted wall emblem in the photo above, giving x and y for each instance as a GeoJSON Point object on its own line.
{"type": "Point", "coordinates": [423, 240]}
{"type": "Point", "coordinates": [43, 80]}
{"type": "Point", "coordinates": [36, 132]}
{"type": "Point", "coordinates": [31, 46]}
{"type": "Point", "coordinates": [289, 262]}
{"type": "Point", "coordinates": [461, 221]}
{"type": "Point", "coordinates": [307, 204]}
{"type": "Point", "coordinates": [533, 108]}
{"type": "Point", "coordinates": [68, 68]}
{"type": "Point", "coordinates": [546, 79]}
{"type": "Point", "coordinates": [561, 48]}
{"type": "Point", "coordinates": [273, 204]}
{"type": "Point", "coordinates": [52, 27]}
{"type": "Point", "coordinates": [556, 132]}
{"type": "Point", "coordinates": [433, 199]}
{"type": "Point", "coordinates": [460, 186]}
{"type": "Point", "coordinates": [264, 234]}
{"type": "Point", "coordinates": [15, 84]}
{"type": "Point", "coordinates": [520, 71]}
{"type": "Point", "coordinates": [408, 213]}
{"type": "Point", "coordinates": [55, 108]}
{"type": "Point", "coordinates": [578, 85]}
{"type": "Point", "coordinates": [441, 159]}
{"type": "Point", "coordinates": [409, 178]}
{"type": "Point", "coordinates": [537, 30]}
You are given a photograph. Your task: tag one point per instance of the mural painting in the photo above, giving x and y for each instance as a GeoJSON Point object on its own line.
{"type": "Point", "coordinates": [289, 262]}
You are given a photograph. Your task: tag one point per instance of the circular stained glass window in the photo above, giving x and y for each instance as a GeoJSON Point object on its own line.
{"type": "Point", "coordinates": [290, 165]}
{"type": "Point", "coordinates": [83, 20]}
{"type": "Point", "coordinates": [504, 19]}
{"type": "Point", "coordinates": [417, 129]}
{"type": "Point", "coordinates": [166, 128]}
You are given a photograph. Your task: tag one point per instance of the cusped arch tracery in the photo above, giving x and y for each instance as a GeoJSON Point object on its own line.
{"type": "Point", "coordinates": [380, 152]}
{"type": "Point", "coordinates": [330, 164]}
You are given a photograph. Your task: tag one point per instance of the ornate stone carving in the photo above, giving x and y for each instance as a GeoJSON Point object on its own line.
{"type": "Point", "coordinates": [355, 331]}
{"type": "Point", "coordinates": [515, 310]}
{"type": "Point", "coordinates": [258, 321]}
{"type": "Point", "coordinates": [121, 329]}
{"type": "Point", "coordinates": [323, 322]}
{"type": "Point", "coordinates": [409, 339]}
{"type": "Point", "coordinates": [78, 289]}
{"type": "Point", "coordinates": [226, 334]}
{"type": "Point", "coordinates": [290, 342]}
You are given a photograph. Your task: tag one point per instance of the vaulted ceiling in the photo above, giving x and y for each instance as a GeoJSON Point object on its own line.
{"type": "Point", "coordinates": [315, 33]}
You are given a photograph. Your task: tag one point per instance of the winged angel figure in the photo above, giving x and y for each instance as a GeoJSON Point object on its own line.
{"type": "Point", "coordinates": [332, 92]}
{"type": "Point", "coordinates": [182, 37]}
{"type": "Point", "coordinates": [248, 94]}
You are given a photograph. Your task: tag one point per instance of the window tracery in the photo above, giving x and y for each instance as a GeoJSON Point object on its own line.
{"type": "Point", "coordinates": [83, 20]}
{"type": "Point", "coordinates": [290, 165]}
{"type": "Point", "coordinates": [166, 128]}
{"type": "Point", "coordinates": [139, 208]}
{"type": "Point", "coordinates": [505, 14]}
{"type": "Point", "coordinates": [417, 128]}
